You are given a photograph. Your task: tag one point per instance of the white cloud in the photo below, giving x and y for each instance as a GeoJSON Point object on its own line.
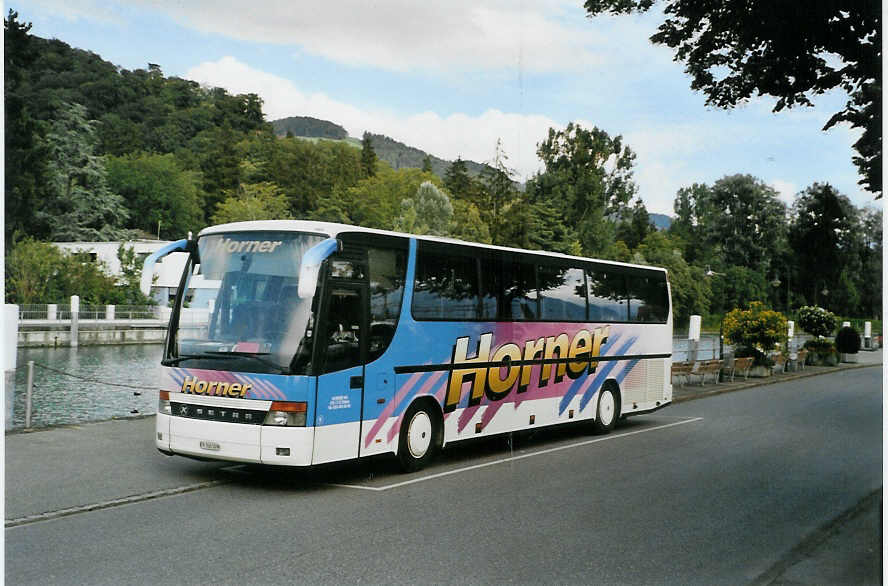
{"type": "Point", "coordinates": [448, 137]}
{"type": "Point", "coordinates": [404, 35]}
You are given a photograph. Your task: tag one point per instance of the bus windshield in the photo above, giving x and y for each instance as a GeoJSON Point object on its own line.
{"type": "Point", "coordinates": [255, 320]}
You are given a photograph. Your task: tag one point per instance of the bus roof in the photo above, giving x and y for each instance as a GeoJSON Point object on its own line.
{"type": "Point", "coordinates": [332, 230]}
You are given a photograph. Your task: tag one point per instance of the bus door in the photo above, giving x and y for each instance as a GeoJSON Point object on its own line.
{"type": "Point", "coordinates": [340, 388]}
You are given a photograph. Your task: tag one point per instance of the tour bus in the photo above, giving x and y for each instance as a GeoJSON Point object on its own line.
{"type": "Point", "coordinates": [329, 342]}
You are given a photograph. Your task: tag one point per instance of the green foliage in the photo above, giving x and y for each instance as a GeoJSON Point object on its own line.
{"type": "Point", "coordinates": [81, 206]}
{"type": "Point", "coordinates": [587, 179]}
{"type": "Point", "coordinates": [127, 291]}
{"type": "Point", "coordinates": [467, 223]}
{"type": "Point", "coordinates": [734, 50]}
{"type": "Point", "coordinates": [428, 212]}
{"type": "Point", "coordinates": [368, 156]}
{"type": "Point", "coordinates": [848, 341]}
{"type": "Point", "coordinates": [253, 201]}
{"type": "Point", "coordinates": [691, 292]}
{"type": "Point", "coordinates": [38, 272]}
{"type": "Point", "coordinates": [816, 320]}
{"type": "Point", "coordinates": [757, 328]}
{"type": "Point", "coordinates": [162, 197]}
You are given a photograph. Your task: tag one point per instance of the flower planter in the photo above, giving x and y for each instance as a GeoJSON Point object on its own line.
{"type": "Point", "coordinates": [823, 358]}
{"type": "Point", "coordinates": [847, 357]}
{"type": "Point", "coordinates": [760, 371]}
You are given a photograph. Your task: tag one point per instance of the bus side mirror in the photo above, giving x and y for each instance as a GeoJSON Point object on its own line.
{"type": "Point", "coordinates": [311, 266]}
{"type": "Point", "coordinates": [148, 266]}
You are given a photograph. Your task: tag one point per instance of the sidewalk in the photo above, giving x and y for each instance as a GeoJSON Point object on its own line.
{"type": "Point", "coordinates": [694, 390]}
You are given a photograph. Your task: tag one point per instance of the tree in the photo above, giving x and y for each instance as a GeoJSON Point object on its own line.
{"type": "Point", "coordinates": [744, 219]}
{"type": "Point", "coordinates": [368, 156]}
{"type": "Point", "coordinates": [498, 192]}
{"type": "Point", "coordinates": [38, 272]}
{"type": "Point", "coordinates": [428, 212]}
{"type": "Point", "coordinates": [588, 180]}
{"type": "Point", "coordinates": [82, 206]}
{"type": "Point", "coordinates": [253, 201]}
{"type": "Point", "coordinates": [162, 197]}
{"type": "Point", "coordinates": [634, 229]}
{"type": "Point", "coordinates": [791, 51]}
{"type": "Point", "coordinates": [26, 155]}
{"type": "Point", "coordinates": [824, 232]}
{"type": "Point", "coordinates": [691, 292]}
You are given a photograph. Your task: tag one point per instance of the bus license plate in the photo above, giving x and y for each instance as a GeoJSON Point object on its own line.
{"type": "Point", "coordinates": [207, 445]}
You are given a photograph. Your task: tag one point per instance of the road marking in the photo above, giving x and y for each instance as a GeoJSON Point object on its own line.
{"type": "Point", "coordinates": [137, 498]}
{"type": "Point", "coordinates": [513, 458]}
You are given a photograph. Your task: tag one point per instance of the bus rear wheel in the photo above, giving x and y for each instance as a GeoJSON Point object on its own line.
{"type": "Point", "coordinates": [420, 440]}
{"type": "Point", "coordinates": [607, 411]}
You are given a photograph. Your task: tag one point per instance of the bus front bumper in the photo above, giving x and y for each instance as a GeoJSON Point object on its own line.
{"type": "Point", "coordinates": [235, 442]}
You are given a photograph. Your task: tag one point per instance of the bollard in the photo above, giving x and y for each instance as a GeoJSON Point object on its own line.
{"type": "Point", "coordinates": [75, 329]}
{"type": "Point", "coordinates": [30, 387]}
{"type": "Point", "coordinates": [868, 335]}
{"type": "Point", "coordinates": [10, 340]}
{"type": "Point", "coordinates": [694, 337]}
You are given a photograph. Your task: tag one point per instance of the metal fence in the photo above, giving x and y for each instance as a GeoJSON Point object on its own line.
{"type": "Point", "coordinates": [62, 312]}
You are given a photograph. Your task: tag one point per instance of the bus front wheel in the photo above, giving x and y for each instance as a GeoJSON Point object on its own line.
{"type": "Point", "coordinates": [607, 411]}
{"type": "Point", "coordinates": [421, 435]}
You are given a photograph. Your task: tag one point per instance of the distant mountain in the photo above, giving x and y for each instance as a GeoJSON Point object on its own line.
{"type": "Point", "coordinates": [661, 221]}
{"type": "Point", "coordinates": [309, 127]}
{"type": "Point", "coordinates": [396, 154]}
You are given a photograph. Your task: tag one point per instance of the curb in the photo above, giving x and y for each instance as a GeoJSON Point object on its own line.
{"type": "Point", "coordinates": [769, 381]}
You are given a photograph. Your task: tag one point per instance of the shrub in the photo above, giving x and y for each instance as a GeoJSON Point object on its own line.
{"type": "Point", "coordinates": [755, 330]}
{"type": "Point", "coordinates": [817, 321]}
{"type": "Point", "coordinates": [848, 341]}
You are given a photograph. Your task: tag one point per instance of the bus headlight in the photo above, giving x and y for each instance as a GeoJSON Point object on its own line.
{"type": "Point", "coordinates": [287, 414]}
{"type": "Point", "coordinates": [163, 403]}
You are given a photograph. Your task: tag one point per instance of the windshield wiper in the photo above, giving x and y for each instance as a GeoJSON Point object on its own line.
{"type": "Point", "coordinates": [214, 355]}
{"type": "Point", "coordinates": [257, 356]}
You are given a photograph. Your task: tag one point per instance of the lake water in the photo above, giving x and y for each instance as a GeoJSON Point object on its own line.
{"type": "Point", "coordinates": [86, 396]}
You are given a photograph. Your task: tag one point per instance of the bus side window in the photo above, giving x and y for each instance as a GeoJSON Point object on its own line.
{"type": "Point", "coordinates": [446, 287]}
{"type": "Point", "coordinates": [562, 293]}
{"type": "Point", "coordinates": [607, 297]}
{"type": "Point", "coordinates": [519, 291]}
{"type": "Point", "coordinates": [491, 288]}
{"type": "Point", "coordinates": [648, 299]}
{"type": "Point", "coordinates": [388, 268]}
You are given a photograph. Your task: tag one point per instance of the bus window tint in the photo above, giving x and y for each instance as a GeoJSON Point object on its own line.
{"type": "Point", "coordinates": [562, 293]}
{"type": "Point", "coordinates": [446, 287]}
{"type": "Point", "coordinates": [491, 288]}
{"type": "Point", "coordinates": [648, 300]}
{"type": "Point", "coordinates": [607, 297]}
{"type": "Point", "coordinates": [387, 270]}
{"type": "Point", "coordinates": [519, 291]}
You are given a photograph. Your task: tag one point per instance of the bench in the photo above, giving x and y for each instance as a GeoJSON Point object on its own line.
{"type": "Point", "coordinates": [708, 367]}
{"type": "Point", "coordinates": [801, 358]}
{"type": "Point", "coordinates": [779, 362]}
{"type": "Point", "coordinates": [741, 364]}
{"type": "Point", "coordinates": [682, 370]}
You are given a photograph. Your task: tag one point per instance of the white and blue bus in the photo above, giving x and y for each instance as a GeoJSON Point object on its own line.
{"type": "Point", "coordinates": [328, 342]}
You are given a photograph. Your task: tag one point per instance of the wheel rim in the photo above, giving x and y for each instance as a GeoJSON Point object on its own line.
{"type": "Point", "coordinates": [419, 434]}
{"type": "Point", "coordinates": [606, 408]}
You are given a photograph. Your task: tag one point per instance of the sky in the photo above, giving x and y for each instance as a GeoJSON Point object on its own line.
{"type": "Point", "coordinates": [452, 78]}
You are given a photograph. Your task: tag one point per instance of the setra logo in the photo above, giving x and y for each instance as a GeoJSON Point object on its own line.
{"type": "Point", "coordinates": [195, 386]}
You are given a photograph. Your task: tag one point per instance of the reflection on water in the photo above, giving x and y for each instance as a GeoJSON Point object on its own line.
{"type": "Point", "coordinates": [60, 399]}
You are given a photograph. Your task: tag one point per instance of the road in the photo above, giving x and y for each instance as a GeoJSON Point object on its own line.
{"type": "Point", "coordinates": [713, 491]}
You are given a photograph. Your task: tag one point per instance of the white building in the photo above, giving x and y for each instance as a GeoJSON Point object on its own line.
{"type": "Point", "coordinates": [167, 271]}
